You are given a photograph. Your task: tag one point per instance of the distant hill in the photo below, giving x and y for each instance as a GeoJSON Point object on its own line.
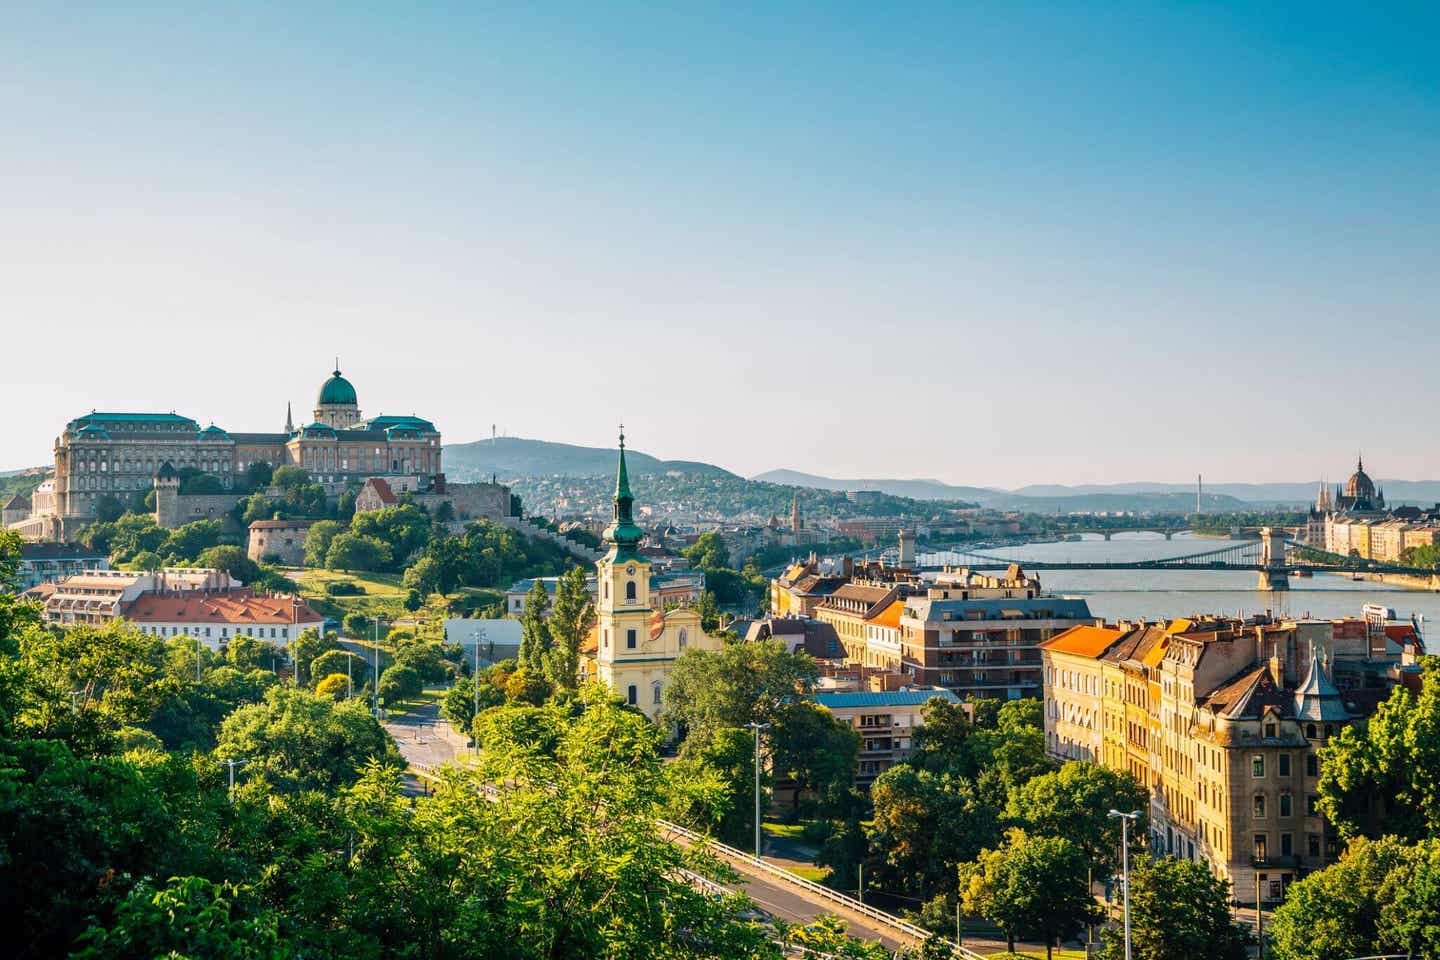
{"type": "Point", "coordinates": [915, 489]}
{"type": "Point", "coordinates": [518, 457]}
{"type": "Point", "coordinates": [1161, 498]}
{"type": "Point", "coordinates": [1422, 492]}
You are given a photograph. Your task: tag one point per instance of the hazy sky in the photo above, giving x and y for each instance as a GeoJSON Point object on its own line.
{"type": "Point", "coordinates": [993, 243]}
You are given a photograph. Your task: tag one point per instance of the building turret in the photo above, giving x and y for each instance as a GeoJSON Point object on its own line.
{"type": "Point", "coordinates": [623, 534]}
{"type": "Point", "coordinates": [1317, 699]}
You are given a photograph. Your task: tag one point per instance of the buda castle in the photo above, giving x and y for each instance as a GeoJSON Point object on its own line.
{"type": "Point", "coordinates": [121, 455]}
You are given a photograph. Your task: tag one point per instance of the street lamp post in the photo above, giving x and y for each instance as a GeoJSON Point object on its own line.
{"type": "Point", "coordinates": [474, 680]}
{"type": "Point", "coordinates": [757, 727]}
{"type": "Point", "coordinates": [1125, 821]}
{"type": "Point", "coordinates": [375, 685]}
{"type": "Point", "coordinates": [232, 764]}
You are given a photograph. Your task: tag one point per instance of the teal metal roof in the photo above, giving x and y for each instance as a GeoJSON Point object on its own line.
{"type": "Point", "coordinates": [895, 698]}
{"type": "Point", "coordinates": [389, 421]}
{"type": "Point", "coordinates": [141, 419]}
{"type": "Point", "coordinates": [214, 432]}
{"type": "Point", "coordinates": [337, 390]}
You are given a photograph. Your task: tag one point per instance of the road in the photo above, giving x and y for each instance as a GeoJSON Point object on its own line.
{"type": "Point", "coordinates": [426, 739]}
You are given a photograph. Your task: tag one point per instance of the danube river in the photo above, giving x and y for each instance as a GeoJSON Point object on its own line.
{"type": "Point", "coordinates": [1154, 594]}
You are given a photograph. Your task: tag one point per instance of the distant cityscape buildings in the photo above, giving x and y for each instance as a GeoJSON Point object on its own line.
{"type": "Point", "coordinates": [1354, 521]}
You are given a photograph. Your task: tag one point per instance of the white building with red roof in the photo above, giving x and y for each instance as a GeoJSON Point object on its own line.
{"type": "Point", "coordinates": [217, 618]}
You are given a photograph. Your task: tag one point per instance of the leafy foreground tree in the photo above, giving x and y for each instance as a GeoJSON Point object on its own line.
{"type": "Point", "coordinates": [1074, 803]}
{"type": "Point", "coordinates": [187, 917]}
{"type": "Point", "coordinates": [1179, 910]}
{"type": "Point", "coordinates": [570, 849]}
{"type": "Point", "coordinates": [1380, 897]}
{"type": "Point", "coordinates": [1030, 886]}
{"type": "Point", "coordinates": [296, 740]}
{"type": "Point", "coordinates": [1383, 776]}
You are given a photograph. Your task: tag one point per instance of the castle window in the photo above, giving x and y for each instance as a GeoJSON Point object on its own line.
{"type": "Point", "coordinates": [1284, 762]}
{"type": "Point", "coordinates": [1285, 804]}
{"type": "Point", "coordinates": [631, 695]}
{"type": "Point", "coordinates": [1312, 766]}
{"type": "Point", "coordinates": [1259, 806]}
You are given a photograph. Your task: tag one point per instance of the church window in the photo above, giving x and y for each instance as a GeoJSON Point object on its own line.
{"type": "Point", "coordinates": [629, 639]}
{"type": "Point", "coordinates": [605, 639]}
{"type": "Point", "coordinates": [629, 589]}
{"type": "Point", "coordinates": [684, 636]}
{"type": "Point", "coordinates": [655, 692]}
{"type": "Point", "coordinates": [631, 695]}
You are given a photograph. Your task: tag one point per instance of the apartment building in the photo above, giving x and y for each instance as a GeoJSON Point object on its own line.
{"type": "Point", "coordinates": [979, 635]}
{"type": "Point", "coordinates": [1221, 720]}
{"type": "Point", "coordinates": [886, 722]}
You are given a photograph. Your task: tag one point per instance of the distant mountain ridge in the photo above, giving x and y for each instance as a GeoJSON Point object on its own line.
{"type": "Point", "coordinates": [521, 457]}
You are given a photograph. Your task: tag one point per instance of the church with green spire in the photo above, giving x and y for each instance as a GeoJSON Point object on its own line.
{"type": "Point", "coordinates": [635, 644]}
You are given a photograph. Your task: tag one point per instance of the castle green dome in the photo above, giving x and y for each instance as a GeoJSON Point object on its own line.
{"type": "Point", "coordinates": [337, 390]}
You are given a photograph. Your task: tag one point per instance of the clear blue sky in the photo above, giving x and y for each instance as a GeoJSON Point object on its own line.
{"type": "Point", "coordinates": [993, 243]}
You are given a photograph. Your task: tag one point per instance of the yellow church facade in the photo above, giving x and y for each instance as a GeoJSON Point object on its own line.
{"type": "Point", "coordinates": [636, 643]}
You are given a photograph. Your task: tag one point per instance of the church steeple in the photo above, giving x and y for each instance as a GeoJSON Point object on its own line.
{"type": "Point", "coordinates": [289, 421]}
{"type": "Point", "coordinates": [623, 533]}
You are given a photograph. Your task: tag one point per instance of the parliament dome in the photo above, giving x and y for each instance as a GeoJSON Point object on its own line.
{"type": "Point", "coordinates": [1360, 486]}
{"type": "Point", "coordinates": [337, 390]}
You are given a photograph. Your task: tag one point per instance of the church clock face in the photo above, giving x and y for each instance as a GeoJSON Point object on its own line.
{"type": "Point", "coordinates": [630, 569]}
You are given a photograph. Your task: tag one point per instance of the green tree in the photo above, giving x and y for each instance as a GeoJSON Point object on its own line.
{"type": "Point", "coordinates": [335, 686]}
{"type": "Point", "coordinates": [422, 576]}
{"type": "Point", "coordinates": [353, 551]}
{"type": "Point", "coordinates": [1346, 909]}
{"type": "Point", "coordinates": [815, 751]}
{"type": "Point", "coordinates": [1179, 910]}
{"type": "Point", "coordinates": [1030, 886]}
{"type": "Point", "coordinates": [231, 559]}
{"type": "Point", "coordinates": [108, 508]}
{"type": "Point", "coordinates": [571, 621]}
{"type": "Point", "coordinates": [709, 552]}
{"type": "Point", "coordinates": [1074, 802]}
{"type": "Point", "coordinates": [296, 740]}
{"type": "Point", "coordinates": [187, 542]}
{"type": "Point", "coordinates": [358, 626]}
{"type": "Point", "coordinates": [1384, 775]}
{"type": "Point", "coordinates": [289, 477]}
{"type": "Point", "coordinates": [258, 475]}
{"type": "Point", "coordinates": [318, 539]}
{"type": "Point", "coordinates": [733, 686]}
{"type": "Point", "coordinates": [535, 638]}
{"type": "Point", "coordinates": [399, 683]}
{"type": "Point", "coordinates": [187, 917]}
{"type": "Point", "coordinates": [337, 660]}
{"type": "Point", "coordinates": [309, 645]}
{"type": "Point", "coordinates": [713, 787]}
{"type": "Point", "coordinates": [924, 826]}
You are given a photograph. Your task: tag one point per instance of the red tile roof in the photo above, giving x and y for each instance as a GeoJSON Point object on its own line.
{"type": "Point", "coordinates": [238, 607]}
{"type": "Point", "coordinates": [382, 489]}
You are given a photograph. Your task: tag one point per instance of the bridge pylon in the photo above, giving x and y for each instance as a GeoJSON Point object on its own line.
{"type": "Point", "coordinates": [1274, 575]}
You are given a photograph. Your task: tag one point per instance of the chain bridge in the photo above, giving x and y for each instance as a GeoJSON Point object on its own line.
{"type": "Point", "coordinates": [1274, 557]}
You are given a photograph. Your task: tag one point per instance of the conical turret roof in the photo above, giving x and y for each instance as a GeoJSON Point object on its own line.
{"type": "Point", "coordinates": [1317, 698]}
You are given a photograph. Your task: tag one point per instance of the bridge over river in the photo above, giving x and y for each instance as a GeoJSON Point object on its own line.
{"type": "Point", "coordinates": [1274, 558]}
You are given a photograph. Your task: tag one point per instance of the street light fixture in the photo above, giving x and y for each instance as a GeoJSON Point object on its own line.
{"type": "Point", "coordinates": [757, 727]}
{"type": "Point", "coordinates": [1125, 820]}
{"type": "Point", "coordinates": [375, 685]}
{"type": "Point", "coordinates": [232, 764]}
